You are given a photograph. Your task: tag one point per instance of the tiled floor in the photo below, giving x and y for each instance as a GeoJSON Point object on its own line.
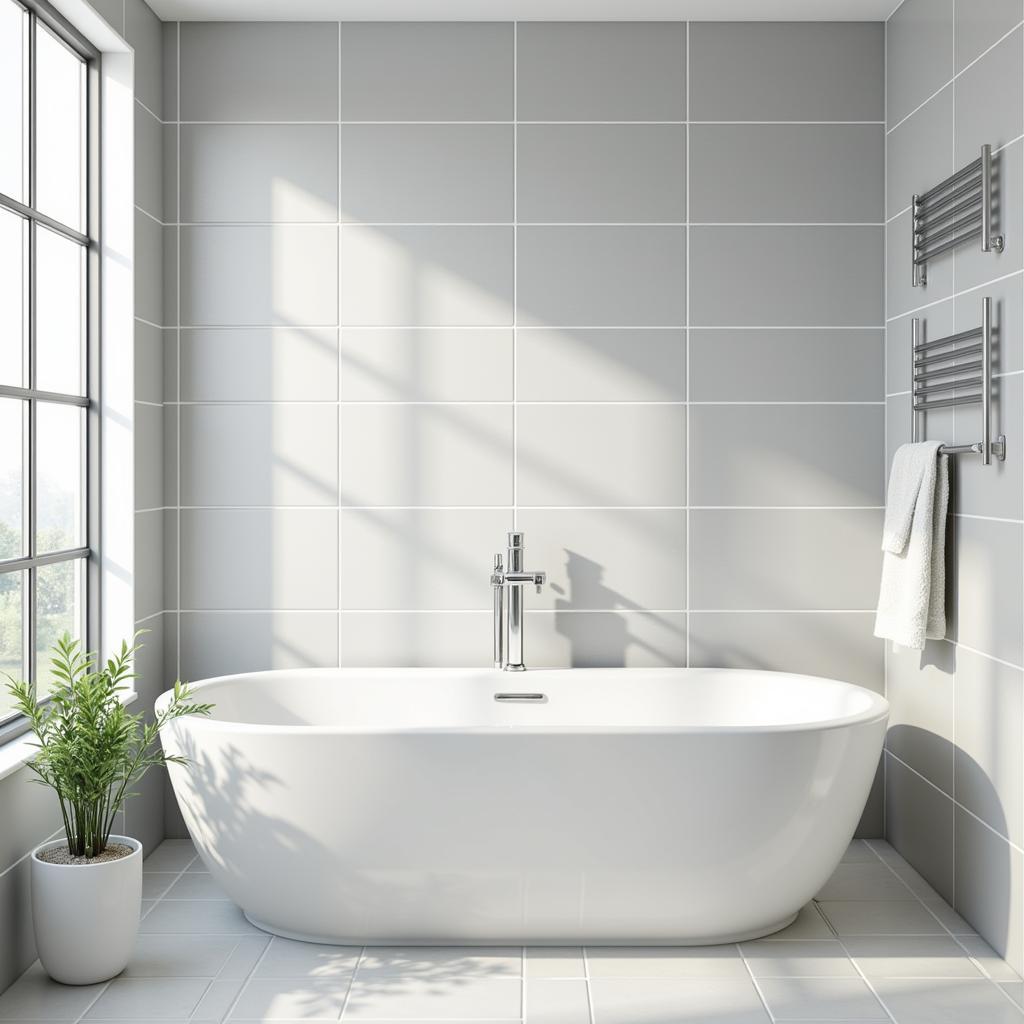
{"type": "Point", "coordinates": [876, 945]}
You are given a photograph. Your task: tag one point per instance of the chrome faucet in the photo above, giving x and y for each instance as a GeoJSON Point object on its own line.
{"type": "Point", "coordinates": [508, 610]}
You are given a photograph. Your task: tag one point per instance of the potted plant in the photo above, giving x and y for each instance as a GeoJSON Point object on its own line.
{"type": "Point", "coordinates": [87, 886]}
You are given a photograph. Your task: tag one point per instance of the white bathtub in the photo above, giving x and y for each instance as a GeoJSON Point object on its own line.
{"type": "Point", "coordinates": [399, 806]}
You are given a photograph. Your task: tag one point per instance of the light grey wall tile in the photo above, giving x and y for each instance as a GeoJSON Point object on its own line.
{"type": "Point", "coordinates": [919, 153]}
{"type": "Point", "coordinates": [986, 110]}
{"type": "Point", "coordinates": [900, 295]}
{"type": "Point", "coordinates": [169, 275]}
{"type": "Point", "coordinates": [142, 31]}
{"type": "Point", "coordinates": [788, 560]}
{"type": "Point", "coordinates": [414, 559]}
{"type": "Point", "coordinates": [426, 455]}
{"type": "Point", "coordinates": [785, 455]}
{"type": "Point", "coordinates": [259, 275]}
{"type": "Point", "coordinates": [251, 71]}
{"type": "Point", "coordinates": [221, 643]}
{"type": "Point", "coordinates": [920, 689]}
{"type": "Point", "coordinates": [1007, 297]}
{"type": "Point", "coordinates": [577, 71]}
{"type": "Point", "coordinates": [818, 276]}
{"type": "Point", "coordinates": [150, 679]}
{"type": "Point", "coordinates": [974, 267]}
{"type": "Point", "coordinates": [170, 350]}
{"type": "Point", "coordinates": [430, 173]}
{"type": "Point", "coordinates": [149, 160]}
{"type": "Point", "coordinates": [990, 886]}
{"type": "Point", "coordinates": [149, 562]}
{"type": "Point", "coordinates": [169, 172]}
{"type": "Point", "coordinates": [149, 299]}
{"type": "Point", "coordinates": [17, 941]}
{"type": "Point", "coordinates": [112, 12]}
{"type": "Point", "coordinates": [997, 489]}
{"type": "Point", "coordinates": [171, 565]}
{"type": "Point", "coordinates": [605, 639]}
{"type": "Point", "coordinates": [169, 59]}
{"type": "Point", "coordinates": [838, 645]}
{"type": "Point", "coordinates": [989, 742]}
{"type": "Point", "coordinates": [237, 559]}
{"type": "Point", "coordinates": [607, 559]}
{"type": "Point", "coordinates": [426, 365]}
{"type": "Point", "coordinates": [432, 639]}
{"type": "Point", "coordinates": [872, 820]}
{"type": "Point", "coordinates": [284, 364]}
{"type": "Point", "coordinates": [752, 173]}
{"type": "Point", "coordinates": [919, 54]}
{"type": "Point", "coordinates": [426, 276]}
{"type": "Point", "coordinates": [149, 363]}
{"type": "Point", "coordinates": [264, 172]}
{"type": "Point", "coordinates": [919, 823]}
{"type": "Point", "coordinates": [988, 610]}
{"type": "Point", "coordinates": [935, 322]}
{"type": "Point", "coordinates": [601, 455]}
{"type": "Point", "coordinates": [937, 424]}
{"type": "Point", "coordinates": [149, 448]}
{"type": "Point", "coordinates": [31, 813]}
{"type": "Point", "coordinates": [601, 364]}
{"type": "Point", "coordinates": [978, 24]}
{"type": "Point", "coordinates": [259, 454]}
{"type": "Point", "coordinates": [778, 365]}
{"type": "Point", "coordinates": [170, 456]}
{"type": "Point", "coordinates": [594, 174]}
{"type": "Point", "coordinates": [793, 71]}
{"type": "Point", "coordinates": [144, 813]}
{"type": "Point", "coordinates": [427, 71]}
{"type": "Point", "coordinates": [602, 276]}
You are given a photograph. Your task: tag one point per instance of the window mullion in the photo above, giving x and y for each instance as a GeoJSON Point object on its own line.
{"type": "Point", "coordinates": [31, 605]}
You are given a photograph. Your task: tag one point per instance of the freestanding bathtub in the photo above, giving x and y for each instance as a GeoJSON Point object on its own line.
{"type": "Point", "coordinates": [615, 806]}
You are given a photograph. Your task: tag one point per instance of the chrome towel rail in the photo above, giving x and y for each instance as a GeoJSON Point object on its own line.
{"type": "Point", "coordinates": [953, 212]}
{"type": "Point", "coordinates": [963, 383]}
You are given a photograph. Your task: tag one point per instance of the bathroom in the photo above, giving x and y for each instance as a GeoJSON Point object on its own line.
{"type": "Point", "coordinates": [499, 400]}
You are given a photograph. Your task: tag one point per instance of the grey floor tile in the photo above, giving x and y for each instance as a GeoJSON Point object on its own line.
{"type": "Point", "coordinates": [864, 882]}
{"type": "Point", "coordinates": [35, 997]}
{"type": "Point", "coordinates": [555, 962]}
{"type": "Point", "coordinates": [659, 1000]}
{"type": "Point", "coordinates": [809, 924]}
{"type": "Point", "coordinates": [196, 917]}
{"type": "Point", "coordinates": [171, 855]}
{"type": "Point", "coordinates": [665, 962]}
{"type": "Point", "coordinates": [218, 1000]}
{"type": "Point", "coordinates": [550, 1001]}
{"type": "Point", "coordinates": [828, 998]}
{"type": "Point", "coordinates": [195, 885]}
{"type": "Point", "coordinates": [287, 959]}
{"type": "Point", "coordinates": [947, 1001]}
{"type": "Point", "coordinates": [436, 994]}
{"type": "Point", "coordinates": [135, 999]}
{"type": "Point", "coordinates": [167, 956]}
{"type": "Point", "coordinates": [451, 961]}
{"type": "Point", "coordinates": [911, 957]}
{"type": "Point", "coordinates": [291, 999]}
{"type": "Point", "coordinates": [879, 917]}
{"type": "Point", "coordinates": [811, 958]}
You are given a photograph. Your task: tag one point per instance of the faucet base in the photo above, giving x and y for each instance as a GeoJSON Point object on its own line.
{"type": "Point", "coordinates": [514, 668]}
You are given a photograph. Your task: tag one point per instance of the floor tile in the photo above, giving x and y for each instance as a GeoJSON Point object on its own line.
{"type": "Point", "coordinates": [375, 995]}
{"type": "Point", "coordinates": [858, 852]}
{"type": "Point", "coordinates": [916, 956]}
{"type": "Point", "coordinates": [819, 958]}
{"type": "Point", "coordinates": [290, 999]}
{"type": "Point", "coordinates": [138, 999]}
{"type": "Point", "coordinates": [821, 998]}
{"type": "Point", "coordinates": [288, 959]}
{"type": "Point", "coordinates": [864, 882]}
{"type": "Point", "coordinates": [443, 961]}
{"type": "Point", "coordinates": [196, 917]}
{"type": "Point", "coordinates": [557, 1002]}
{"type": "Point", "coordinates": [156, 883]}
{"type": "Point", "coordinates": [35, 997]}
{"type": "Point", "coordinates": [948, 917]}
{"type": "Point", "coordinates": [809, 924]}
{"type": "Point", "coordinates": [171, 855]}
{"type": "Point", "coordinates": [554, 962]}
{"type": "Point", "coordinates": [991, 962]}
{"type": "Point", "coordinates": [245, 956]}
{"type": "Point", "coordinates": [880, 917]}
{"type": "Point", "coordinates": [195, 885]}
{"type": "Point", "coordinates": [668, 1000]}
{"type": "Point", "coordinates": [917, 885]}
{"type": "Point", "coordinates": [666, 962]}
{"type": "Point", "coordinates": [166, 956]}
{"type": "Point", "coordinates": [218, 1000]}
{"type": "Point", "coordinates": [1015, 990]}
{"type": "Point", "coordinates": [941, 1001]}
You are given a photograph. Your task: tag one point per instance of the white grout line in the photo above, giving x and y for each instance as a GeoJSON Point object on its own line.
{"type": "Point", "coordinates": [754, 981]}
{"type": "Point", "coordinates": [587, 979]}
{"type": "Point", "coordinates": [953, 295]}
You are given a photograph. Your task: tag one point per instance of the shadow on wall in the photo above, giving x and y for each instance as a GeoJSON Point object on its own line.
{"type": "Point", "coordinates": [588, 591]}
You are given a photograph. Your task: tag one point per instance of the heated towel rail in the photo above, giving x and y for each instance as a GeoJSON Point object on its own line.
{"type": "Point", "coordinates": [954, 211]}
{"type": "Point", "coordinates": [956, 370]}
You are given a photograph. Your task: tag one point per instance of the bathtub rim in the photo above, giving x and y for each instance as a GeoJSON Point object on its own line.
{"type": "Point", "coordinates": [877, 710]}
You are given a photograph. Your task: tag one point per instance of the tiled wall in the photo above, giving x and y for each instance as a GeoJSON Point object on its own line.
{"type": "Point", "coordinates": [619, 285]}
{"type": "Point", "coordinates": [29, 813]}
{"type": "Point", "coordinates": [955, 761]}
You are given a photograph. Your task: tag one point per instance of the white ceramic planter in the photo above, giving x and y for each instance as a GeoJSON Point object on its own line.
{"type": "Point", "coordinates": [86, 917]}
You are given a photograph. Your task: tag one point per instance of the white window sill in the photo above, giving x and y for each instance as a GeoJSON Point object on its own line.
{"type": "Point", "coordinates": [18, 752]}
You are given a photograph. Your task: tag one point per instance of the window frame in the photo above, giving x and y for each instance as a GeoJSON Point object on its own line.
{"type": "Point", "coordinates": [42, 17]}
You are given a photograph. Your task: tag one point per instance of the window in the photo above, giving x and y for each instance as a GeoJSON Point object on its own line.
{"type": "Point", "coordinates": [47, 256]}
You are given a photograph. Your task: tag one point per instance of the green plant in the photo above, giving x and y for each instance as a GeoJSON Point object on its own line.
{"type": "Point", "coordinates": [91, 749]}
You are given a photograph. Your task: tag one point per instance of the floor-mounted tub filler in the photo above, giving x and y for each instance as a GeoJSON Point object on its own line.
{"type": "Point", "coordinates": [598, 806]}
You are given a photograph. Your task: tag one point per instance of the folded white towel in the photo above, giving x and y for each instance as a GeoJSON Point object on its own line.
{"type": "Point", "coordinates": [911, 600]}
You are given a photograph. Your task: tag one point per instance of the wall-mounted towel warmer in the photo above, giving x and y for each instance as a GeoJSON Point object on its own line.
{"type": "Point", "coordinates": [954, 211]}
{"type": "Point", "coordinates": [960, 363]}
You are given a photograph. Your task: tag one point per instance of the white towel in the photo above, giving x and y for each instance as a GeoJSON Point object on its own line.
{"type": "Point", "coordinates": [911, 600]}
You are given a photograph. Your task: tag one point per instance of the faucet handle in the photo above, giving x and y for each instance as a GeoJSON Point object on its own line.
{"type": "Point", "coordinates": [515, 539]}
{"type": "Point", "coordinates": [498, 563]}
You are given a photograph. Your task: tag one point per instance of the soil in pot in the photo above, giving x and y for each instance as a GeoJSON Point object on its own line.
{"type": "Point", "coordinates": [62, 855]}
